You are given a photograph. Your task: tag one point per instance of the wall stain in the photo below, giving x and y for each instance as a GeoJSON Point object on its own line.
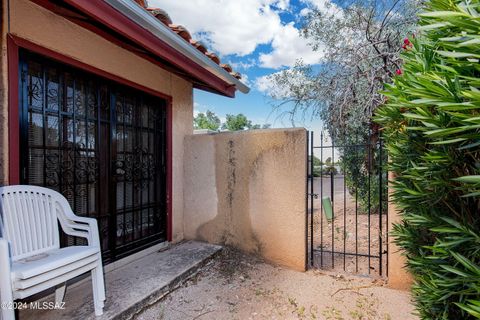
{"type": "Point", "coordinates": [232, 178]}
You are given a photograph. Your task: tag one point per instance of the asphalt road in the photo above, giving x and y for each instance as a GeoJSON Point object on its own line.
{"type": "Point", "coordinates": [322, 186]}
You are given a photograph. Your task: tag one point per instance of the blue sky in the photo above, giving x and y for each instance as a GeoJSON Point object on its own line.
{"type": "Point", "coordinates": [258, 38]}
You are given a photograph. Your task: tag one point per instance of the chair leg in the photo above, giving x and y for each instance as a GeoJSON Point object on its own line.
{"type": "Point", "coordinates": [98, 290]}
{"type": "Point", "coordinates": [60, 293]}
{"type": "Point", "coordinates": [6, 294]}
{"type": "Point", "coordinates": [7, 313]}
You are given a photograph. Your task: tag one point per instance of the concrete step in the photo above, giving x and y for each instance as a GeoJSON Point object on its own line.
{"type": "Point", "coordinates": [134, 286]}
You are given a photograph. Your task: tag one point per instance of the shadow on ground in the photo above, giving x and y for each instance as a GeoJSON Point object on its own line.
{"type": "Point", "coordinates": [238, 286]}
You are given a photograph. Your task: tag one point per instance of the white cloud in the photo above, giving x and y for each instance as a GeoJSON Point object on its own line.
{"type": "Point", "coordinates": [199, 108]}
{"type": "Point", "coordinates": [305, 11]}
{"type": "Point", "coordinates": [232, 26]}
{"type": "Point", "coordinates": [243, 65]}
{"type": "Point", "coordinates": [265, 85]}
{"type": "Point", "coordinates": [245, 80]}
{"type": "Point", "coordinates": [288, 46]}
{"type": "Point", "coordinates": [239, 27]}
{"type": "Point", "coordinates": [283, 4]}
{"type": "Point", "coordinates": [325, 6]}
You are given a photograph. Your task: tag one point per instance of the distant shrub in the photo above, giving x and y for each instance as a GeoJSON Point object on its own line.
{"type": "Point", "coordinates": [328, 170]}
{"type": "Point", "coordinates": [317, 171]}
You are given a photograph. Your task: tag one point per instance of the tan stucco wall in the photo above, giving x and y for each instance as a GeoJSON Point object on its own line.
{"type": "Point", "coordinates": [398, 276]}
{"type": "Point", "coordinates": [43, 27]}
{"type": "Point", "coordinates": [247, 189]}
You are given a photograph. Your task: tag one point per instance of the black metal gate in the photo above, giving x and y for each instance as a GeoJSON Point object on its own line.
{"type": "Point", "coordinates": [100, 144]}
{"type": "Point", "coordinates": [347, 203]}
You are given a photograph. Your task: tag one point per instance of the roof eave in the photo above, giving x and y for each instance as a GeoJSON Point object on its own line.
{"type": "Point", "coordinates": [132, 21]}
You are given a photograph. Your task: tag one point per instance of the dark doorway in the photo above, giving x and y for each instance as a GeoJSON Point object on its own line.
{"type": "Point", "coordinates": [102, 145]}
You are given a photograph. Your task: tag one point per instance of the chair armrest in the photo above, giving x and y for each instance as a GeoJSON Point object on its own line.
{"type": "Point", "coordinates": [81, 227]}
{"type": "Point", "coordinates": [75, 225]}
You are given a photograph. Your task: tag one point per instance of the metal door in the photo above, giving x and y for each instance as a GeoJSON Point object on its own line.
{"type": "Point", "coordinates": [102, 145]}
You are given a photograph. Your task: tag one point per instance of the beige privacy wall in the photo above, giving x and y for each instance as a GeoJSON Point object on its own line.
{"type": "Point", "coordinates": [247, 189]}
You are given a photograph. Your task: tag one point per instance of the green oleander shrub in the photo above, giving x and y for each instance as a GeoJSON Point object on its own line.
{"type": "Point", "coordinates": [431, 125]}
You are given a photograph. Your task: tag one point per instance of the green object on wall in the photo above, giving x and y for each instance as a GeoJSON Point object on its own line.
{"type": "Point", "coordinates": [327, 208]}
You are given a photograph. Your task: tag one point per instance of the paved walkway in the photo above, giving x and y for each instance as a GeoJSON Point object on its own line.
{"type": "Point", "coordinates": [133, 287]}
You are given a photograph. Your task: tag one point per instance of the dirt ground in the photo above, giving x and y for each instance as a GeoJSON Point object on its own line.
{"type": "Point", "coordinates": [238, 286]}
{"type": "Point", "coordinates": [352, 231]}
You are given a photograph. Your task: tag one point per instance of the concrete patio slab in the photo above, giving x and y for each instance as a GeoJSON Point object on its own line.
{"type": "Point", "coordinates": [132, 287]}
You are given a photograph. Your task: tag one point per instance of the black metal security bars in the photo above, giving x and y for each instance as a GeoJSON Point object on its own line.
{"type": "Point", "coordinates": [347, 205]}
{"type": "Point", "coordinates": [102, 145]}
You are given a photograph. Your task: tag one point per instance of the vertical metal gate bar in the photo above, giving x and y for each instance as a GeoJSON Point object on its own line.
{"type": "Point", "coordinates": [140, 129]}
{"type": "Point", "coordinates": [135, 144]}
{"type": "Point", "coordinates": [44, 71]}
{"type": "Point", "coordinates": [356, 227]}
{"type": "Point", "coordinates": [332, 191]}
{"type": "Point", "coordinates": [112, 180]}
{"type": "Point", "coordinates": [74, 145]}
{"type": "Point", "coordinates": [87, 149]}
{"type": "Point", "coordinates": [307, 180]}
{"type": "Point", "coordinates": [344, 213]}
{"type": "Point", "coordinates": [386, 213]}
{"type": "Point", "coordinates": [321, 199]}
{"type": "Point", "coordinates": [380, 205]}
{"type": "Point", "coordinates": [369, 149]}
{"type": "Point", "coordinates": [124, 159]}
{"type": "Point", "coordinates": [24, 123]}
{"type": "Point", "coordinates": [356, 207]}
{"type": "Point", "coordinates": [62, 132]}
{"type": "Point", "coordinates": [98, 208]}
{"type": "Point", "coordinates": [311, 196]}
{"type": "Point", "coordinates": [149, 154]}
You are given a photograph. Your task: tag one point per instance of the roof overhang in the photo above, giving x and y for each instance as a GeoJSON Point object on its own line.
{"type": "Point", "coordinates": [136, 29]}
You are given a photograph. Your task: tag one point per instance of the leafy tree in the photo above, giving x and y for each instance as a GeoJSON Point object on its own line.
{"type": "Point", "coordinates": [359, 42]}
{"type": "Point", "coordinates": [206, 120]}
{"type": "Point", "coordinates": [237, 122]}
{"type": "Point", "coordinates": [316, 161]}
{"type": "Point", "coordinates": [240, 122]}
{"type": "Point", "coordinates": [431, 124]}
{"type": "Point", "coordinates": [263, 126]}
{"type": "Point", "coordinates": [211, 121]}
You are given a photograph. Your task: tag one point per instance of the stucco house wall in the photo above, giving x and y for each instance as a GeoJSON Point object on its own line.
{"type": "Point", "coordinates": [40, 26]}
{"type": "Point", "coordinates": [247, 190]}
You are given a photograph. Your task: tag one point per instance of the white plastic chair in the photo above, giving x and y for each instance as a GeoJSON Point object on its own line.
{"type": "Point", "coordinates": [31, 259]}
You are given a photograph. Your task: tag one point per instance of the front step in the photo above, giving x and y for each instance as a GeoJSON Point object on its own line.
{"type": "Point", "coordinates": [134, 286]}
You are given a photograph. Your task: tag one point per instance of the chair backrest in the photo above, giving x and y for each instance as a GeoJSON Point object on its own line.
{"type": "Point", "coordinates": [29, 219]}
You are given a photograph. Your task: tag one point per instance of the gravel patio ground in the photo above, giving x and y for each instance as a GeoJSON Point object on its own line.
{"type": "Point", "coordinates": [239, 286]}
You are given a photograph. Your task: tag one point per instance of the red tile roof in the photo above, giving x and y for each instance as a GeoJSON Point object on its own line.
{"type": "Point", "coordinates": [161, 15]}
{"type": "Point", "coordinates": [181, 31]}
